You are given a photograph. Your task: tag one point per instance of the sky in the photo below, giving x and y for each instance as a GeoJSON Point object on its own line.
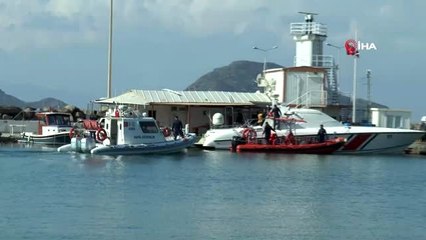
{"type": "Point", "coordinates": [59, 48]}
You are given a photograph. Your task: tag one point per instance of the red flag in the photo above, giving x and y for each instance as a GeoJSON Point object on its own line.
{"type": "Point", "coordinates": [351, 48]}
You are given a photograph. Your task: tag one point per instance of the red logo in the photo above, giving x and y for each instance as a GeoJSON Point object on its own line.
{"type": "Point", "coordinates": [351, 47]}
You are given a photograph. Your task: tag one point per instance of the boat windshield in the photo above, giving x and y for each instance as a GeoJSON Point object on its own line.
{"type": "Point", "coordinates": [61, 120]}
{"type": "Point", "coordinates": [148, 127]}
{"type": "Point", "coordinates": [312, 119]}
{"type": "Point", "coordinates": [315, 118]}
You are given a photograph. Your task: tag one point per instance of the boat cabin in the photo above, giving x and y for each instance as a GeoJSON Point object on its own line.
{"type": "Point", "coordinates": [53, 122]}
{"type": "Point", "coordinates": [129, 128]}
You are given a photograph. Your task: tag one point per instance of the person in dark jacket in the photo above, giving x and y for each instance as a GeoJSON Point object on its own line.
{"type": "Point", "coordinates": [177, 128]}
{"type": "Point", "coordinates": [267, 132]}
{"type": "Point", "coordinates": [276, 113]}
{"type": "Point", "coordinates": [321, 134]}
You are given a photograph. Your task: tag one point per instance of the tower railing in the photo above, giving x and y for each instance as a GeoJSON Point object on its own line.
{"type": "Point", "coordinates": [299, 29]}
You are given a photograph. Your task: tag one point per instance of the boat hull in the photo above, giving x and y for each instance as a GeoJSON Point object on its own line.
{"type": "Point", "coordinates": [156, 148]}
{"type": "Point", "coordinates": [54, 139]}
{"type": "Point", "coordinates": [135, 149]}
{"type": "Point", "coordinates": [327, 147]}
{"type": "Point", "coordinates": [356, 143]}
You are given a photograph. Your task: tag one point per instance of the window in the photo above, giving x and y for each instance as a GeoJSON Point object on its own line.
{"type": "Point", "coordinates": [148, 127]}
{"type": "Point", "coordinates": [152, 113]}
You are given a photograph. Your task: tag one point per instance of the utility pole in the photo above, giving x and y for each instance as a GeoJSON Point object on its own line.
{"type": "Point", "coordinates": [265, 50]}
{"type": "Point", "coordinates": [368, 94]}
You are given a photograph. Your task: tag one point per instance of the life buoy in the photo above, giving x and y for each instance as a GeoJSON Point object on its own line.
{"type": "Point", "coordinates": [167, 132]}
{"type": "Point", "coordinates": [72, 133]}
{"type": "Point", "coordinates": [249, 134]}
{"type": "Point", "coordinates": [101, 135]}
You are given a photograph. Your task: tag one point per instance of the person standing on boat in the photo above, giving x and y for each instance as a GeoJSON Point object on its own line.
{"type": "Point", "coordinates": [177, 128]}
{"type": "Point", "coordinates": [321, 134]}
{"type": "Point", "coordinates": [267, 130]}
{"type": "Point", "coordinates": [260, 118]}
{"type": "Point", "coordinates": [276, 113]}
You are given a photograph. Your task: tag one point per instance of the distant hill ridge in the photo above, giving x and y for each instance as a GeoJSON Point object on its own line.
{"type": "Point", "coordinates": [7, 100]}
{"type": "Point", "coordinates": [239, 76]}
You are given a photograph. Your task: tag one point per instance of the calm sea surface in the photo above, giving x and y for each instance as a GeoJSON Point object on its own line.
{"type": "Point", "coordinates": [210, 195]}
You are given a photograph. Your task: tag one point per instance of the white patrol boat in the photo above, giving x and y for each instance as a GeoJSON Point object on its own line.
{"type": "Point", "coordinates": [359, 139]}
{"type": "Point", "coordinates": [124, 132]}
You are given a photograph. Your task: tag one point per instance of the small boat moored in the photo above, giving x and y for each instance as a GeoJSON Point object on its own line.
{"type": "Point", "coordinates": [53, 129]}
{"type": "Point", "coordinates": [125, 132]}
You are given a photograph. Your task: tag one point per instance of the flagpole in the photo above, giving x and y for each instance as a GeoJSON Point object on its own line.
{"type": "Point", "coordinates": [354, 84]}
{"type": "Point", "coordinates": [354, 92]}
{"type": "Point", "coordinates": [109, 89]}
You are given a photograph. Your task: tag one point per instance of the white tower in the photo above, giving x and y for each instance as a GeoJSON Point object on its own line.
{"type": "Point", "coordinates": [309, 37]}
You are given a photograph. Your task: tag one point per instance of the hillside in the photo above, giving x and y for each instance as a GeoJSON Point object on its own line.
{"type": "Point", "coordinates": [238, 76]}
{"type": "Point", "coordinates": [7, 100]}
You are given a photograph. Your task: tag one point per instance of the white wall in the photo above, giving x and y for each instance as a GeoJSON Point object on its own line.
{"type": "Point", "coordinates": [393, 118]}
{"type": "Point", "coordinates": [303, 51]}
{"type": "Point", "coordinates": [304, 88]}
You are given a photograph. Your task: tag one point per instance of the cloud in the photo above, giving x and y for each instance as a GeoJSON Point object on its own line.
{"type": "Point", "coordinates": [55, 23]}
{"type": "Point", "coordinates": [50, 23]}
{"type": "Point", "coordinates": [204, 17]}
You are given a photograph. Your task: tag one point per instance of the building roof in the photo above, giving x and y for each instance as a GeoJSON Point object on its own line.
{"type": "Point", "coordinates": [170, 97]}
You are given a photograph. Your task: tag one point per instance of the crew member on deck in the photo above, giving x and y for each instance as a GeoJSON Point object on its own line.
{"type": "Point", "coordinates": [276, 113]}
{"type": "Point", "coordinates": [267, 132]}
{"type": "Point", "coordinates": [260, 119]}
{"type": "Point", "coordinates": [177, 128]}
{"type": "Point", "coordinates": [321, 134]}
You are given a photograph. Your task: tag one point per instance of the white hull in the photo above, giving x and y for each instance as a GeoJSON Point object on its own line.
{"type": "Point", "coordinates": [159, 148]}
{"type": "Point", "coordinates": [52, 139]}
{"type": "Point", "coordinates": [170, 146]}
{"type": "Point", "coordinates": [360, 140]}
{"type": "Point", "coordinates": [357, 143]}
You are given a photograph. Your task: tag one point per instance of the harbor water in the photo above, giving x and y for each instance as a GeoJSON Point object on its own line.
{"type": "Point", "coordinates": [210, 195]}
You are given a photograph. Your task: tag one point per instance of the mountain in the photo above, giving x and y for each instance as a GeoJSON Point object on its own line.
{"type": "Point", "coordinates": [7, 100]}
{"type": "Point", "coordinates": [47, 102]}
{"type": "Point", "coordinates": [238, 76]}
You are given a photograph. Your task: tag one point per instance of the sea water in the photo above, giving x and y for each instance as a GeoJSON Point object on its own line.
{"type": "Point", "coordinates": [202, 194]}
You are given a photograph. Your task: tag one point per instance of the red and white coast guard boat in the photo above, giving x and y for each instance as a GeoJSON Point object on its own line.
{"type": "Point", "coordinates": [359, 139]}
{"type": "Point", "coordinates": [124, 132]}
